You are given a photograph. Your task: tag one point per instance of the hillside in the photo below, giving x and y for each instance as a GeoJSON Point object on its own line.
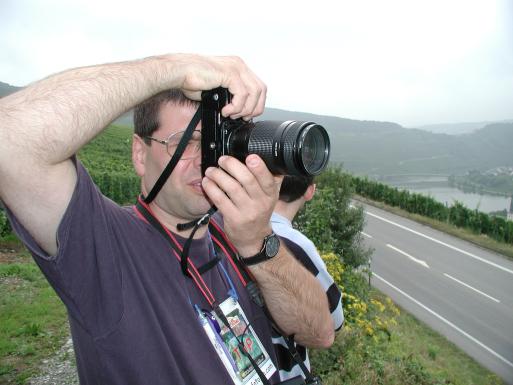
{"type": "Point", "coordinates": [457, 128]}
{"type": "Point", "coordinates": [385, 148]}
{"type": "Point", "coordinates": [6, 89]}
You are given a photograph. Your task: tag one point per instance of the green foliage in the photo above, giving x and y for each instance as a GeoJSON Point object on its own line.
{"type": "Point", "coordinates": [458, 215]}
{"type": "Point", "coordinates": [379, 345]}
{"type": "Point", "coordinates": [28, 272]}
{"type": "Point", "coordinates": [329, 221]}
{"type": "Point", "coordinates": [108, 160]}
{"type": "Point", "coordinates": [110, 151]}
{"type": "Point", "coordinates": [478, 182]}
{"type": "Point", "coordinates": [5, 227]}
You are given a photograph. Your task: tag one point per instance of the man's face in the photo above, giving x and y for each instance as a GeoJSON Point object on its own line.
{"type": "Point", "coordinates": [181, 197]}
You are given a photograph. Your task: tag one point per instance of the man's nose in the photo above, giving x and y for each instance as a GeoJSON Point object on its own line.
{"type": "Point", "coordinates": [197, 160]}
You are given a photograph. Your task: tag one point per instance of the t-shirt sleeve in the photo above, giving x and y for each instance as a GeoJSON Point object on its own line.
{"type": "Point", "coordinates": [84, 272]}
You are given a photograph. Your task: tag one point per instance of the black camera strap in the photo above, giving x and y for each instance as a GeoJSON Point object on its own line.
{"type": "Point", "coordinates": [195, 224]}
{"type": "Point", "coordinates": [176, 156]}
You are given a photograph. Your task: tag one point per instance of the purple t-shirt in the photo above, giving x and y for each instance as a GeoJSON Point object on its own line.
{"type": "Point", "coordinates": [129, 305]}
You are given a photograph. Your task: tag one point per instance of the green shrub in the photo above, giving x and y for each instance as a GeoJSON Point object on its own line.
{"type": "Point", "coordinates": [330, 222]}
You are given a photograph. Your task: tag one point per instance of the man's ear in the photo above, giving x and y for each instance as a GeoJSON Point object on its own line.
{"type": "Point", "coordinates": [139, 149]}
{"type": "Point", "coordinates": [310, 192]}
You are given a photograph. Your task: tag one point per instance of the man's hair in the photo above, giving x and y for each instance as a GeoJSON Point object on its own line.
{"type": "Point", "coordinates": [146, 114]}
{"type": "Point", "coordinates": [293, 187]}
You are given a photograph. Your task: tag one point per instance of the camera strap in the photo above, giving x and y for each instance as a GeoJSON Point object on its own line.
{"type": "Point", "coordinates": [195, 224]}
{"type": "Point", "coordinates": [176, 156]}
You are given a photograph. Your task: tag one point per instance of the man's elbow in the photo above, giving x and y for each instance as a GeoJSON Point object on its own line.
{"type": "Point", "coordinates": [327, 339]}
{"type": "Point", "coordinates": [324, 338]}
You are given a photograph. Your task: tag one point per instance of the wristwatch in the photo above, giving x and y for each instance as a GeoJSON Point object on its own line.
{"type": "Point", "coordinates": [269, 250]}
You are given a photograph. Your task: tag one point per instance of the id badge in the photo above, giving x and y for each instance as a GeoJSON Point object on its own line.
{"type": "Point", "coordinates": [244, 372]}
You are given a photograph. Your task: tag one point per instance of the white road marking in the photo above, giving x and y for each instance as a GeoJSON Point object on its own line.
{"type": "Point", "coordinates": [419, 261]}
{"type": "Point", "coordinates": [443, 243]}
{"type": "Point", "coordinates": [367, 235]}
{"type": "Point", "coordinates": [494, 353]}
{"type": "Point", "coordinates": [473, 288]}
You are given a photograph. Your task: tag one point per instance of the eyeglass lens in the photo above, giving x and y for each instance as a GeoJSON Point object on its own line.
{"type": "Point", "coordinates": [193, 147]}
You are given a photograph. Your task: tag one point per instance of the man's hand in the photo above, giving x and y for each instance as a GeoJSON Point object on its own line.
{"type": "Point", "coordinates": [201, 73]}
{"type": "Point", "coordinates": [44, 124]}
{"type": "Point", "coordinates": [246, 195]}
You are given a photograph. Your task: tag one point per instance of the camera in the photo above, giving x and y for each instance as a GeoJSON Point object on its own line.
{"type": "Point", "coordinates": [287, 147]}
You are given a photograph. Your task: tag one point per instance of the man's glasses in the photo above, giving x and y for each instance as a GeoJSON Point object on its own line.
{"type": "Point", "coordinates": [192, 150]}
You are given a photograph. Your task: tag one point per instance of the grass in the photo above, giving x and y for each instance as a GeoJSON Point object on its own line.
{"type": "Point", "coordinates": [477, 239]}
{"type": "Point", "coordinates": [407, 353]}
{"type": "Point", "coordinates": [33, 323]}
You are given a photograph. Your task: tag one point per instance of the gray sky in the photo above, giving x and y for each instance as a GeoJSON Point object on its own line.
{"type": "Point", "coordinates": [407, 61]}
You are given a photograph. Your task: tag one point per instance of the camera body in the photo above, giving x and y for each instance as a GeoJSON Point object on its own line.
{"type": "Point", "coordinates": [287, 147]}
{"type": "Point", "coordinates": [215, 128]}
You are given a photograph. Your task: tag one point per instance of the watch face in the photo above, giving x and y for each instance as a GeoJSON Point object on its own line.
{"type": "Point", "coordinates": [272, 246]}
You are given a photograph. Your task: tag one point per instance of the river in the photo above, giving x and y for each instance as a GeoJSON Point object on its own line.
{"type": "Point", "coordinates": [439, 189]}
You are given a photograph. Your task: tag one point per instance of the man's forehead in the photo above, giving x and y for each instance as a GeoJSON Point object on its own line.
{"type": "Point", "coordinates": [175, 117]}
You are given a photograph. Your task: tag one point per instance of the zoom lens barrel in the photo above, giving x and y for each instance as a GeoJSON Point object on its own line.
{"type": "Point", "coordinates": [287, 148]}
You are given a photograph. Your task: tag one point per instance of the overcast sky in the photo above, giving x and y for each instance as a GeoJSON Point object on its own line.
{"type": "Point", "coordinates": [406, 61]}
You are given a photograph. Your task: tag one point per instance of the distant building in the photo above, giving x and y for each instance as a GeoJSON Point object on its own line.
{"type": "Point", "coordinates": [510, 212]}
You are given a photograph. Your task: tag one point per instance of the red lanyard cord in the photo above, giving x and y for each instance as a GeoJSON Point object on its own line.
{"type": "Point", "coordinates": [144, 211]}
{"type": "Point", "coordinates": [220, 239]}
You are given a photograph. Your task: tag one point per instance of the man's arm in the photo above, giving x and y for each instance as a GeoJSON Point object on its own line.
{"type": "Point", "coordinates": [306, 253]}
{"type": "Point", "coordinates": [43, 125]}
{"type": "Point", "coordinates": [246, 196]}
{"type": "Point", "coordinates": [296, 300]}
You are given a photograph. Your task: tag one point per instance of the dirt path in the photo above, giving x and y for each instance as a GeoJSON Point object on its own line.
{"type": "Point", "coordinates": [58, 370]}
{"type": "Point", "coordinates": [13, 255]}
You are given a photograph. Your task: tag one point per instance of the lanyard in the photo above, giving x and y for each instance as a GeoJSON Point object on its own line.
{"type": "Point", "coordinates": [219, 239]}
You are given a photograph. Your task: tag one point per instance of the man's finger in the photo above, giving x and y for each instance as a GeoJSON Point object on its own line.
{"type": "Point", "coordinates": [229, 185]}
{"type": "Point", "coordinates": [262, 174]}
{"type": "Point", "coordinates": [218, 197]}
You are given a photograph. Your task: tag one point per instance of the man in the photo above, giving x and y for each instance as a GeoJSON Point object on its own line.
{"type": "Point", "coordinates": [295, 191]}
{"type": "Point", "coordinates": [134, 317]}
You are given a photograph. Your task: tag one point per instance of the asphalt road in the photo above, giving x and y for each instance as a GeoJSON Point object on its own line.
{"type": "Point", "coordinates": [458, 289]}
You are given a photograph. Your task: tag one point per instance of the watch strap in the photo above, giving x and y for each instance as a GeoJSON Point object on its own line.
{"type": "Point", "coordinates": [261, 256]}
{"type": "Point", "coordinates": [255, 259]}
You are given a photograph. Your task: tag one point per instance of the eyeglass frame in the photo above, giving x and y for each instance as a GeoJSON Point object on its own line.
{"type": "Point", "coordinates": [197, 151]}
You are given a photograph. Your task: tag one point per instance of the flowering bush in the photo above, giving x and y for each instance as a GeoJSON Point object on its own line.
{"type": "Point", "coordinates": [373, 317]}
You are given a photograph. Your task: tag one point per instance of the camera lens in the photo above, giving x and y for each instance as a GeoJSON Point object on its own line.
{"type": "Point", "coordinates": [314, 147]}
{"type": "Point", "coordinates": [288, 148]}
